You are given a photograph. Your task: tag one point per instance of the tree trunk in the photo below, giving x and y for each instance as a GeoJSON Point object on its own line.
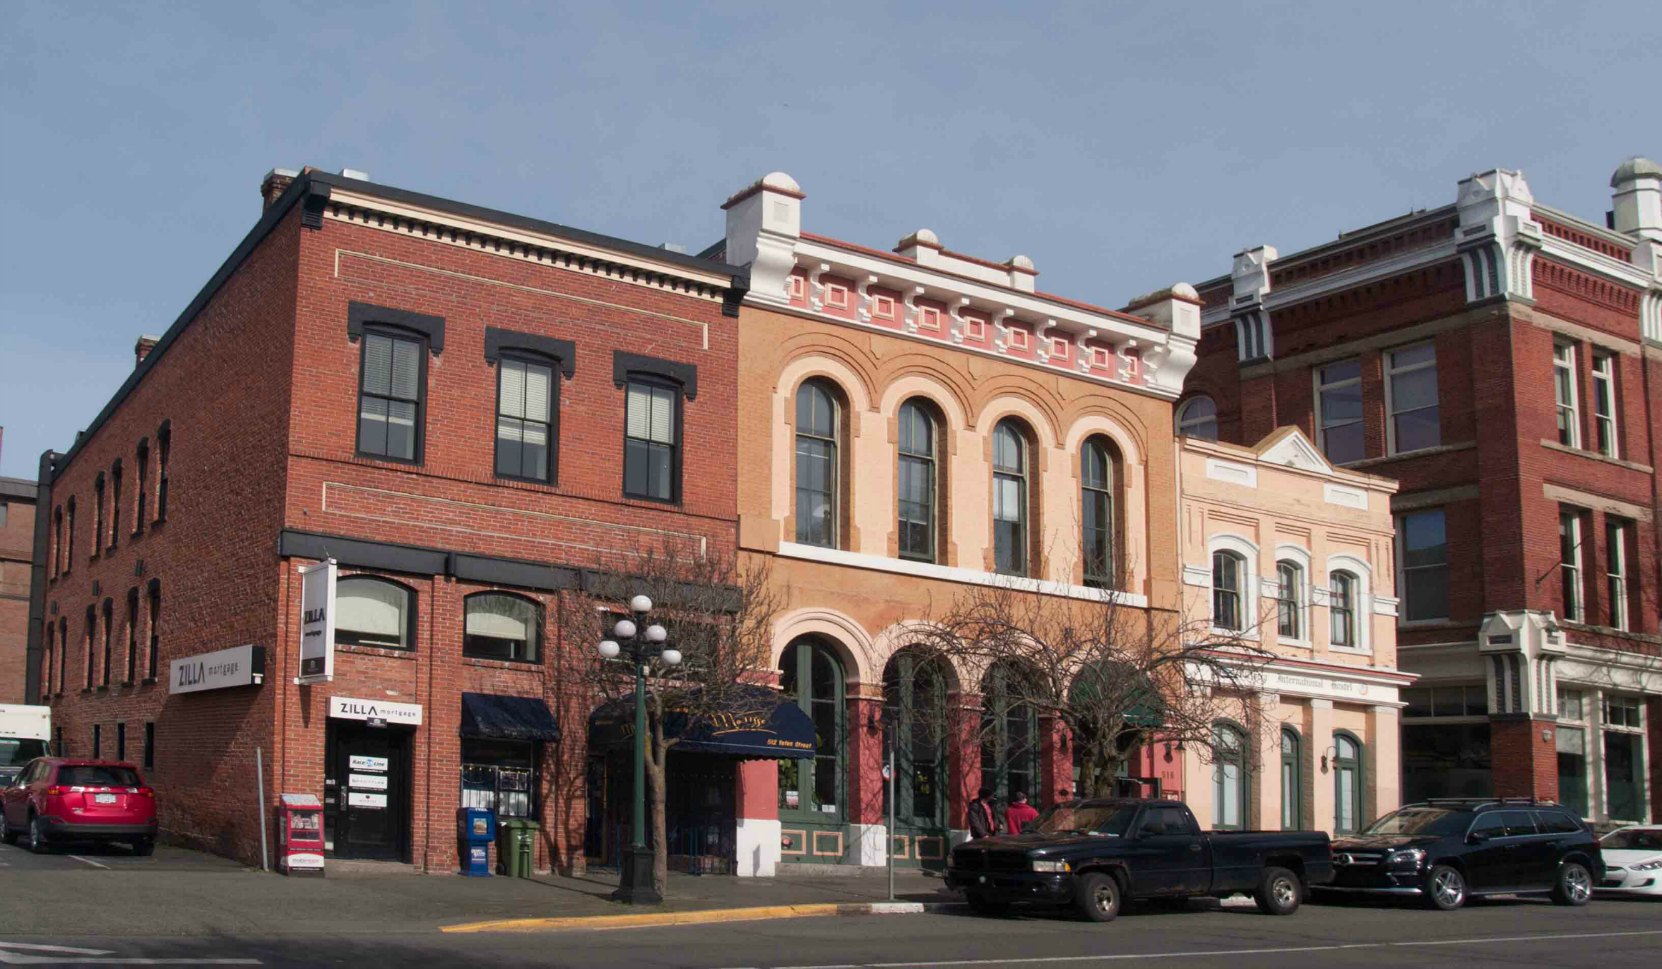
{"type": "Point", "coordinates": [657, 754]}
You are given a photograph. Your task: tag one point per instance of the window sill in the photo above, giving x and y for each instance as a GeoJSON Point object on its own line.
{"type": "Point", "coordinates": [104, 688]}
{"type": "Point", "coordinates": [1424, 452]}
{"type": "Point", "coordinates": [649, 500]}
{"type": "Point", "coordinates": [387, 652]}
{"type": "Point", "coordinates": [148, 681]}
{"type": "Point", "coordinates": [415, 462]}
{"type": "Point", "coordinates": [523, 665]}
{"type": "Point", "coordinates": [1552, 445]}
{"type": "Point", "coordinates": [1295, 643]}
{"type": "Point", "coordinates": [1430, 624]}
{"type": "Point", "coordinates": [1350, 650]}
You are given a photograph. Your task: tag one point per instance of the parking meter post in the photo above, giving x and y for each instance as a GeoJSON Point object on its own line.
{"type": "Point", "coordinates": [259, 792]}
{"type": "Point", "coordinates": [888, 768]}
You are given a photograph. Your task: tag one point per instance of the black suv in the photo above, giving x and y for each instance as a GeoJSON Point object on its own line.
{"type": "Point", "coordinates": [1446, 851]}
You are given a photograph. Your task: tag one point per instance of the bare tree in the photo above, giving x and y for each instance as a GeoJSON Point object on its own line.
{"type": "Point", "coordinates": [719, 614]}
{"type": "Point", "coordinates": [1115, 676]}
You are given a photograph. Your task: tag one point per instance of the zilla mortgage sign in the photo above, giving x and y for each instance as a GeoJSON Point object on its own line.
{"type": "Point", "coordinates": [317, 623]}
{"type": "Point", "coordinates": [237, 666]}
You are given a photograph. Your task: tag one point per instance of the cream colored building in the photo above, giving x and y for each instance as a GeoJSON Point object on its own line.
{"type": "Point", "coordinates": [1297, 555]}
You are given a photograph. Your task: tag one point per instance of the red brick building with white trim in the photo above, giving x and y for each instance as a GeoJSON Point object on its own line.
{"type": "Point", "coordinates": [433, 395]}
{"type": "Point", "coordinates": [1503, 361]}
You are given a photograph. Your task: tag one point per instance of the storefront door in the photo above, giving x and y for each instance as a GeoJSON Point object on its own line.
{"type": "Point", "coordinates": [368, 785]}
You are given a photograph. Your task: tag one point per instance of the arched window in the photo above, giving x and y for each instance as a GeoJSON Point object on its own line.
{"type": "Point", "coordinates": [109, 620]}
{"type": "Point", "coordinates": [918, 481]}
{"type": "Point", "coordinates": [57, 541]}
{"type": "Point", "coordinates": [1347, 784]}
{"type": "Point", "coordinates": [1229, 777]}
{"type": "Point", "coordinates": [1099, 476]}
{"type": "Point", "coordinates": [374, 612]}
{"type": "Point", "coordinates": [914, 691]}
{"type": "Point", "coordinates": [132, 632]}
{"type": "Point", "coordinates": [51, 660]}
{"type": "Point", "coordinates": [1010, 498]}
{"type": "Point", "coordinates": [811, 675]}
{"type": "Point", "coordinates": [1342, 596]}
{"type": "Point", "coordinates": [1289, 600]}
{"type": "Point", "coordinates": [154, 625]}
{"type": "Point", "coordinates": [1198, 418]}
{"type": "Point", "coordinates": [63, 653]}
{"type": "Point", "coordinates": [92, 645]}
{"type": "Point", "coordinates": [818, 422]}
{"type": "Point", "coordinates": [1228, 590]}
{"type": "Point", "coordinates": [1009, 734]}
{"type": "Point", "coordinates": [503, 626]}
{"type": "Point", "coordinates": [1292, 781]}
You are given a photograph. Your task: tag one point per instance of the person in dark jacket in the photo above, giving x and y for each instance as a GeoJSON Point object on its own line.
{"type": "Point", "coordinates": [983, 815]}
{"type": "Point", "coordinates": [1019, 813]}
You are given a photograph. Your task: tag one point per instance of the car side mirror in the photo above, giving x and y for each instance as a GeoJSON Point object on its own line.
{"type": "Point", "coordinates": [1477, 838]}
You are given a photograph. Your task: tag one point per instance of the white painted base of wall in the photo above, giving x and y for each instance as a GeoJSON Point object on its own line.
{"type": "Point", "coordinates": [956, 837]}
{"type": "Point", "coordinates": [757, 841]}
{"type": "Point", "coordinates": [871, 844]}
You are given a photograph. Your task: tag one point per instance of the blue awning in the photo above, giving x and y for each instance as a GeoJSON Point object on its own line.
{"type": "Point", "coordinates": [498, 717]}
{"type": "Point", "coordinates": [755, 722]}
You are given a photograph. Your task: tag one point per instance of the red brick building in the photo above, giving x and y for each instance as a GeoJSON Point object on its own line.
{"type": "Point", "coordinates": [1503, 360]}
{"type": "Point", "coordinates": [17, 536]}
{"type": "Point", "coordinates": [433, 395]}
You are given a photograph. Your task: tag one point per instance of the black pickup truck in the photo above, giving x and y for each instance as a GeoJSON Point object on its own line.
{"type": "Point", "coordinates": [1097, 854]}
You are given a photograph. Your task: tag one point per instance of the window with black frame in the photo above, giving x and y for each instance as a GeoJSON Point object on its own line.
{"type": "Point", "coordinates": [500, 776]}
{"type": "Point", "coordinates": [1099, 481]}
{"type": "Point", "coordinates": [1010, 498]}
{"type": "Point", "coordinates": [370, 611]}
{"type": "Point", "coordinates": [917, 481]}
{"type": "Point", "coordinates": [390, 395]}
{"type": "Point", "coordinates": [502, 626]}
{"type": "Point", "coordinates": [527, 396]}
{"type": "Point", "coordinates": [651, 447]}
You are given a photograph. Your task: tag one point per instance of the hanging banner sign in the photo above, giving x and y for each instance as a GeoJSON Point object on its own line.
{"type": "Point", "coordinates": [317, 623]}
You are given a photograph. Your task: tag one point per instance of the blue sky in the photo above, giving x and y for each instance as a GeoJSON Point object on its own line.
{"type": "Point", "coordinates": [1122, 146]}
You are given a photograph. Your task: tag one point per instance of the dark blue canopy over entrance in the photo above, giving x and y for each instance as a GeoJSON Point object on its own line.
{"type": "Point", "coordinates": [507, 717]}
{"type": "Point", "coordinates": [754, 722]}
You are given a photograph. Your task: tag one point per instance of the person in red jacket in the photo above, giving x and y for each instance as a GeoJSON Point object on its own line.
{"type": "Point", "coordinates": [1019, 813]}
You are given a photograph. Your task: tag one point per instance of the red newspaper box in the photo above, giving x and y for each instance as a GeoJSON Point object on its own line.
{"type": "Point", "coordinates": [300, 835]}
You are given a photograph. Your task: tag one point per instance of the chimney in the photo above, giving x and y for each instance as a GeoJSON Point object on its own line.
{"type": "Point", "coordinates": [1637, 198]}
{"type": "Point", "coordinates": [142, 348]}
{"type": "Point", "coordinates": [276, 182]}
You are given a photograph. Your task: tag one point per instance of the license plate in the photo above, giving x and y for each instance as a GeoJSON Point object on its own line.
{"type": "Point", "coordinates": [103, 799]}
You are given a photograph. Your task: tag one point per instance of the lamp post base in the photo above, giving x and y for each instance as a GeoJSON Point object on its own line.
{"type": "Point", "coordinates": [636, 887]}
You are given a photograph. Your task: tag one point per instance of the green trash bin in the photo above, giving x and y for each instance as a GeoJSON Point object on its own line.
{"type": "Point", "coordinates": [516, 848]}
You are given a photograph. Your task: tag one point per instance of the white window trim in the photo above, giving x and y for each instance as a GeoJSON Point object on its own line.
{"type": "Point", "coordinates": [1616, 582]}
{"type": "Point", "coordinates": [1604, 392]}
{"type": "Point", "coordinates": [1602, 727]}
{"type": "Point", "coordinates": [1400, 548]}
{"type": "Point", "coordinates": [1250, 591]}
{"type": "Point", "coordinates": [1321, 421]}
{"type": "Point", "coordinates": [1391, 372]}
{"type": "Point", "coordinates": [1301, 558]}
{"type": "Point", "coordinates": [1364, 604]}
{"type": "Point", "coordinates": [1577, 563]}
{"type": "Point", "coordinates": [1564, 359]}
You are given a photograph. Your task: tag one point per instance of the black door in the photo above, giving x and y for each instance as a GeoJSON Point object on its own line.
{"type": "Point", "coordinates": [1490, 864]}
{"type": "Point", "coordinates": [369, 787]}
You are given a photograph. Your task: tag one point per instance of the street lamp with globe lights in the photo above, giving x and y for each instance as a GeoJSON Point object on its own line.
{"type": "Point", "coordinates": [641, 643]}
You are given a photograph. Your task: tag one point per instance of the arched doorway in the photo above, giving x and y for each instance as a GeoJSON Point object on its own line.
{"type": "Point", "coordinates": [1009, 735]}
{"type": "Point", "coordinates": [915, 716]}
{"type": "Point", "coordinates": [813, 792]}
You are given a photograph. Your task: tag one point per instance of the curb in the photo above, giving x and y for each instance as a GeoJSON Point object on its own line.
{"type": "Point", "coordinates": [702, 916]}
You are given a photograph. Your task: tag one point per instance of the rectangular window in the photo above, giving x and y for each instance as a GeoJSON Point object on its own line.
{"type": "Point", "coordinates": [1226, 591]}
{"type": "Point", "coordinates": [1411, 398]}
{"type": "Point", "coordinates": [1563, 386]}
{"type": "Point", "coordinates": [1617, 533]}
{"type": "Point", "coordinates": [525, 397]}
{"type": "Point", "coordinates": [1289, 597]}
{"type": "Point", "coordinates": [1623, 711]}
{"type": "Point", "coordinates": [115, 504]}
{"type": "Point", "coordinates": [1339, 411]}
{"type": "Point", "coordinates": [69, 547]}
{"type": "Point", "coordinates": [1569, 562]}
{"type": "Point", "coordinates": [390, 396]}
{"type": "Point", "coordinates": [1422, 556]}
{"type": "Point", "coordinates": [651, 449]}
{"type": "Point", "coordinates": [1572, 768]}
{"type": "Point", "coordinates": [141, 483]}
{"type": "Point", "coordinates": [92, 643]}
{"type": "Point", "coordinates": [132, 636]}
{"type": "Point", "coordinates": [149, 746]}
{"type": "Point", "coordinates": [164, 448]}
{"type": "Point", "coordinates": [121, 741]}
{"type": "Point", "coordinates": [97, 741]}
{"type": "Point", "coordinates": [498, 775]}
{"type": "Point", "coordinates": [155, 631]}
{"type": "Point", "coordinates": [1604, 403]}
{"type": "Point", "coordinates": [1624, 758]}
{"type": "Point", "coordinates": [97, 515]}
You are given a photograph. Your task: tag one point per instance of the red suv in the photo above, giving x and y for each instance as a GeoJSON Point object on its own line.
{"type": "Point", "coordinates": [58, 800]}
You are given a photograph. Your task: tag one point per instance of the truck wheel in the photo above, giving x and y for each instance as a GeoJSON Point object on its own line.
{"type": "Point", "coordinates": [7, 834]}
{"type": "Point", "coordinates": [1574, 885]}
{"type": "Point", "coordinates": [1445, 888]}
{"type": "Point", "coordinates": [144, 847]}
{"type": "Point", "coordinates": [37, 836]}
{"type": "Point", "coordinates": [982, 904]}
{"type": "Point", "coordinates": [1097, 896]}
{"type": "Point", "coordinates": [1279, 892]}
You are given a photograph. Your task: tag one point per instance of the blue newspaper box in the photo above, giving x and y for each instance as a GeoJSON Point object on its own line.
{"type": "Point", "coordinates": [477, 828]}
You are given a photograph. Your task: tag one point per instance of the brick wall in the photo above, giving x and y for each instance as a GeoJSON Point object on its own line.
{"type": "Point", "coordinates": [17, 537]}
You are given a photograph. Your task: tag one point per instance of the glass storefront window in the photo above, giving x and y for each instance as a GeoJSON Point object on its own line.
{"type": "Point", "coordinates": [1572, 769]}
{"type": "Point", "coordinates": [1624, 787]}
{"type": "Point", "coordinates": [499, 775]}
{"type": "Point", "coordinates": [1445, 760]}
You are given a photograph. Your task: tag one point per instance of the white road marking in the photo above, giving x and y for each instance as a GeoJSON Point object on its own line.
{"type": "Point", "coordinates": [54, 948]}
{"type": "Point", "coordinates": [1199, 954]}
{"type": "Point", "coordinates": [89, 861]}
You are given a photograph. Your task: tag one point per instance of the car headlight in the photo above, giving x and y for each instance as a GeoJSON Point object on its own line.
{"type": "Point", "coordinates": [1406, 856]}
{"type": "Point", "coordinates": [1646, 865]}
{"type": "Point", "coordinates": [1040, 864]}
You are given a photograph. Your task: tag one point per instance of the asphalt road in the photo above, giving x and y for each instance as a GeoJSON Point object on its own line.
{"type": "Point", "coordinates": [1515, 934]}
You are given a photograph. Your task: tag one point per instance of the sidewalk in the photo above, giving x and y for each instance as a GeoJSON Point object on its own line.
{"type": "Point", "coordinates": [187, 894]}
